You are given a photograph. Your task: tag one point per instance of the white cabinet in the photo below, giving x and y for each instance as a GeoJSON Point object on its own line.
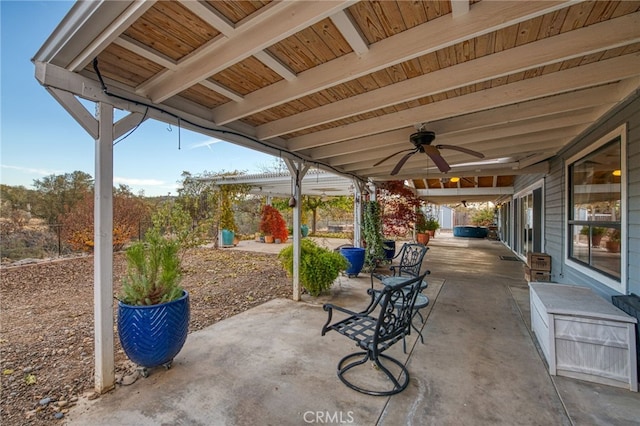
{"type": "Point", "coordinates": [583, 336]}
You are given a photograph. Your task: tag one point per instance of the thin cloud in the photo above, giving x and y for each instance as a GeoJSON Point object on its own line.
{"type": "Point", "coordinates": [43, 172]}
{"type": "Point", "coordinates": [206, 143]}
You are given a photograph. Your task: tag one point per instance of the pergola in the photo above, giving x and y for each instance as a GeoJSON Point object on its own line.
{"type": "Point", "coordinates": [340, 85]}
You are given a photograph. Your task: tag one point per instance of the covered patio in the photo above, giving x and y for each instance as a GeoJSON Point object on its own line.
{"type": "Point", "coordinates": [479, 364]}
{"type": "Point", "coordinates": [342, 86]}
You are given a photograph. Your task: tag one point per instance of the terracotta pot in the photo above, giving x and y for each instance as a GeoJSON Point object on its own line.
{"type": "Point", "coordinates": [268, 239]}
{"type": "Point", "coordinates": [423, 238]}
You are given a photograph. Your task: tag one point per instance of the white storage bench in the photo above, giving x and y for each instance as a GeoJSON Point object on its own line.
{"type": "Point", "coordinates": [583, 336]}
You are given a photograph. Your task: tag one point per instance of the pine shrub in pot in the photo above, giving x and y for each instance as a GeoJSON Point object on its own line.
{"type": "Point", "coordinates": [153, 308]}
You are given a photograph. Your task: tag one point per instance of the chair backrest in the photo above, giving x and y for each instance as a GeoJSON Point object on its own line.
{"type": "Point", "coordinates": [411, 259]}
{"type": "Point", "coordinates": [396, 308]}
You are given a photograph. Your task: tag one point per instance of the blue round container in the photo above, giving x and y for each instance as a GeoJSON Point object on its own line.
{"type": "Point", "coordinates": [389, 247]}
{"type": "Point", "coordinates": [355, 256]}
{"type": "Point", "coordinates": [153, 335]}
{"type": "Point", "coordinates": [227, 237]}
{"type": "Point", "coordinates": [304, 230]}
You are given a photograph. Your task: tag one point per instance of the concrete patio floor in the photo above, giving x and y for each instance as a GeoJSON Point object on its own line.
{"type": "Point", "coordinates": [479, 364]}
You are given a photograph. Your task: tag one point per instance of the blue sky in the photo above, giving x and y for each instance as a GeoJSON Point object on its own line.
{"type": "Point", "coordinates": [38, 137]}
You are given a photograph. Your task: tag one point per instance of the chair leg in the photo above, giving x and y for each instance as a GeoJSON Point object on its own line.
{"type": "Point", "coordinates": [398, 384]}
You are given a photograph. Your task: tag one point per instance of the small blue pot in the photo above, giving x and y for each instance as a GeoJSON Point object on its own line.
{"type": "Point", "coordinates": [355, 256]}
{"type": "Point", "coordinates": [153, 335]}
{"type": "Point", "coordinates": [227, 237]}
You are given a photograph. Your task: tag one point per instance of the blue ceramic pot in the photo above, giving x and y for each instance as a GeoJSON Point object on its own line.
{"type": "Point", "coordinates": [153, 335]}
{"type": "Point", "coordinates": [304, 230]}
{"type": "Point", "coordinates": [227, 237]}
{"type": "Point", "coordinates": [355, 256]}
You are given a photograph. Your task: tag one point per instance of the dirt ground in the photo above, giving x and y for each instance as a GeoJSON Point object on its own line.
{"type": "Point", "coordinates": [46, 323]}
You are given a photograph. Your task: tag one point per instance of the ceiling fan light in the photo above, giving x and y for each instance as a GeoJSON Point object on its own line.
{"type": "Point", "coordinates": [454, 179]}
{"type": "Point", "coordinates": [617, 173]}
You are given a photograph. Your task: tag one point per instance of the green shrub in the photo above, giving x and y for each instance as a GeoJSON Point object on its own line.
{"type": "Point", "coordinates": [153, 272]}
{"type": "Point", "coordinates": [319, 267]}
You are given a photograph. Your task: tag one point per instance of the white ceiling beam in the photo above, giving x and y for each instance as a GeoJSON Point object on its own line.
{"type": "Point", "coordinates": [506, 147]}
{"type": "Point", "coordinates": [78, 111]}
{"type": "Point", "coordinates": [281, 69]}
{"type": "Point", "coordinates": [212, 85]}
{"type": "Point", "coordinates": [286, 19]}
{"type": "Point", "coordinates": [484, 18]}
{"type": "Point", "coordinates": [459, 8]}
{"type": "Point", "coordinates": [342, 20]}
{"type": "Point", "coordinates": [603, 96]}
{"type": "Point", "coordinates": [507, 169]}
{"type": "Point", "coordinates": [444, 192]}
{"type": "Point", "coordinates": [144, 51]}
{"type": "Point", "coordinates": [479, 139]}
{"type": "Point", "coordinates": [210, 16]}
{"type": "Point", "coordinates": [572, 44]}
{"type": "Point", "coordinates": [596, 73]}
{"type": "Point", "coordinates": [127, 123]}
{"type": "Point", "coordinates": [113, 31]}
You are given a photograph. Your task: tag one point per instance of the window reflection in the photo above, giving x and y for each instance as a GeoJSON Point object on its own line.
{"type": "Point", "coordinates": [594, 222]}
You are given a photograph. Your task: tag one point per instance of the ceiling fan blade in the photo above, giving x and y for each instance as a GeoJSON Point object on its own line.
{"type": "Point", "coordinates": [437, 159]}
{"type": "Point", "coordinates": [403, 160]}
{"type": "Point", "coordinates": [461, 149]}
{"type": "Point", "coordinates": [392, 155]}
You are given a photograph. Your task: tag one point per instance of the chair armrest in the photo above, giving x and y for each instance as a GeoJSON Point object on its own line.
{"type": "Point", "coordinates": [379, 277]}
{"type": "Point", "coordinates": [376, 295]}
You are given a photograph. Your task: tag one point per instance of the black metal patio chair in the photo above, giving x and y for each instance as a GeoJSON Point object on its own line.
{"type": "Point", "coordinates": [377, 332]}
{"type": "Point", "coordinates": [411, 256]}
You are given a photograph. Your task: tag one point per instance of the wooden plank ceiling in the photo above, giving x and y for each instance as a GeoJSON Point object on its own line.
{"type": "Point", "coordinates": [343, 84]}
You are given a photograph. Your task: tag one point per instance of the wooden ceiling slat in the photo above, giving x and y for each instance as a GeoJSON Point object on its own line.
{"type": "Point", "coordinates": [203, 96]}
{"type": "Point", "coordinates": [528, 31]}
{"type": "Point", "coordinates": [625, 7]}
{"type": "Point", "coordinates": [436, 9]}
{"type": "Point", "coordinates": [552, 23]}
{"type": "Point", "coordinates": [413, 13]}
{"type": "Point", "coordinates": [390, 17]}
{"type": "Point", "coordinates": [236, 11]}
{"type": "Point", "coordinates": [138, 69]}
{"type": "Point", "coordinates": [368, 22]}
{"type": "Point", "coordinates": [171, 29]}
{"type": "Point", "coordinates": [576, 17]}
{"type": "Point", "coordinates": [506, 38]}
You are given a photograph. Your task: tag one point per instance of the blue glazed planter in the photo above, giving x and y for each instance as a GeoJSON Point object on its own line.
{"type": "Point", "coordinates": [389, 247]}
{"type": "Point", "coordinates": [304, 230]}
{"type": "Point", "coordinates": [227, 237]}
{"type": "Point", "coordinates": [153, 335]}
{"type": "Point", "coordinates": [355, 256]}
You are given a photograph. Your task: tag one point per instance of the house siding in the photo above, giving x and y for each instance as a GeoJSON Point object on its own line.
{"type": "Point", "coordinates": [555, 207]}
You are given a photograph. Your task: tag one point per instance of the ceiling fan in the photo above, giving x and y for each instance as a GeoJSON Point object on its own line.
{"type": "Point", "coordinates": [422, 141]}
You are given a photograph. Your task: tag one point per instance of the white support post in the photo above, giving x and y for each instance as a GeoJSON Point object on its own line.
{"type": "Point", "coordinates": [103, 251]}
{"type": "Point", "coordinates": [357, 212]}
{"type": "Point", "coordinates": [297, 170]}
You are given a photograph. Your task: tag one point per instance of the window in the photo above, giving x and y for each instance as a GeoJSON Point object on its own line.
{"type": "Point", "coordinates": [595, 211]}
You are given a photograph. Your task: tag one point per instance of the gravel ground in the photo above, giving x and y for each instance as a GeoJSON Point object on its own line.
{"type": "Point", "coordinates": [46, 320]}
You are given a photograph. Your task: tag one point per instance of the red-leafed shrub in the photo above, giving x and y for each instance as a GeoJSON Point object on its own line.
{"type": "Point", "coordinates": [272, 223]}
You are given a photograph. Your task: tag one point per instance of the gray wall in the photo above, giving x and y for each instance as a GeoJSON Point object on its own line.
{"type": "Point", "coordinates": [554, 199]}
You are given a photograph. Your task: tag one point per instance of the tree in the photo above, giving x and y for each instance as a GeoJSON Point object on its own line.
{"type": "Point", "coordinates": [60, 193]}
{"type": "Point", "coordinates": [210, 205]}
{"type": "Point", "coordinates": [399, 205]}
{"type": "Point", "coordinates": [128, 213]}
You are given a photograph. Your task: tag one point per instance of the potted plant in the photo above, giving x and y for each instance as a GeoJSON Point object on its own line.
{"type": "Point", "coordinates": [319, 267]}
{"type": "Point", "coordinates": [432, 226]}
{"type": "Point", "coordinates": [613, 244]}
{"type": "Point", "coordinates": [272, 224]}
{"type": "Point", "coordinates": [597, 232]}
{"type": "Point", "coordinates": [422, 233]}
{"type": "Point", "coordinates": [153, 309]}
{"type": "Point", "coordinates": [372, 235]}
{"type": "Point", "coordinates": [227, 221]}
